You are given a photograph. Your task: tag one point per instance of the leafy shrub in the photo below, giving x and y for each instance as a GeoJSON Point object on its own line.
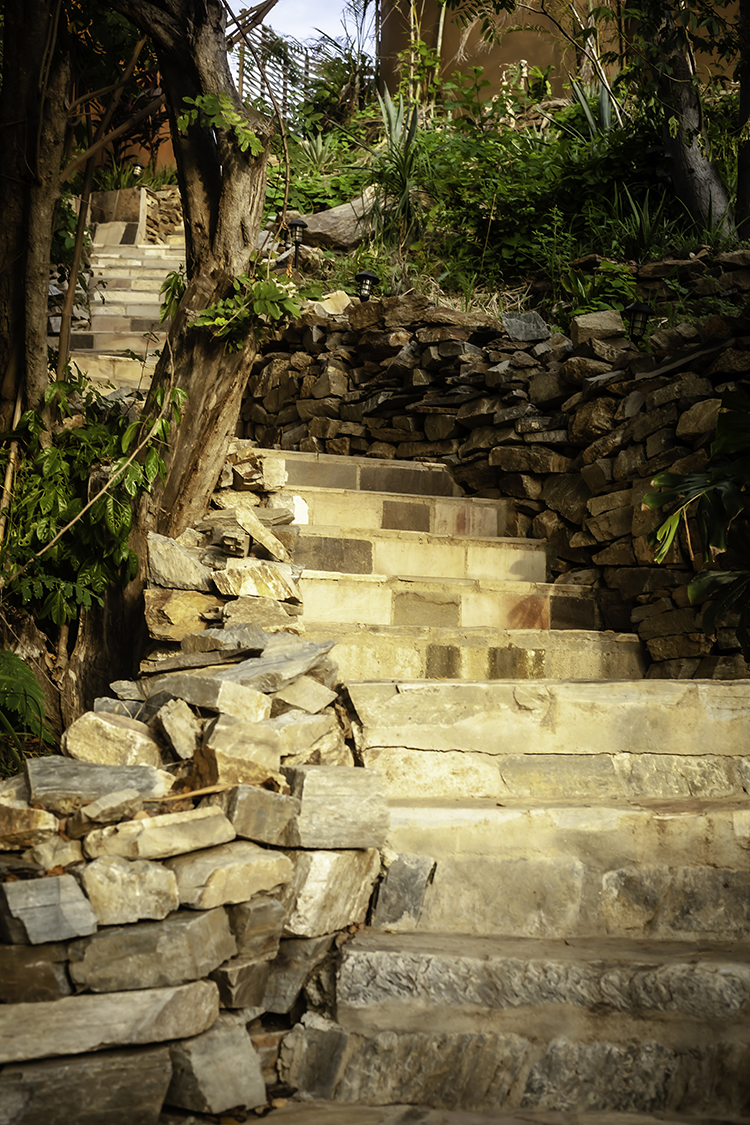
{"type": "Point", "coordinates": [21, 711]}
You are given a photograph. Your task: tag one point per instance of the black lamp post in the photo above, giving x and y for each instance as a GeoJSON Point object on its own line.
{"type": "Point", "coordinates": [638, 314]}
{"type": "Point", "coordinates": [366, 280]}
{"type": "Point", "coordinates": [296, 229]}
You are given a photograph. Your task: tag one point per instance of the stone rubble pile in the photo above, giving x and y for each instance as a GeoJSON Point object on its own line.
{"type": "Point", "coordinates": [196, 855]}
{"type": "Point", "coordinates": [572, 430]}
{"type": "Point", "coordinates": [163, 214]}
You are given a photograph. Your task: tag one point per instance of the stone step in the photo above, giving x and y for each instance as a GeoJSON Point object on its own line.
{"type": "Point", "coordinates": [143, 320]}
{"type": "Point", "coordinates": [437, 515]}
{"type": "Point", "coordinates": [410, 652]}
{"type": "Point", "coordinates": [374, 599]}
{"type": "Point", "coordinates": [140, 251]}
{"type": "Point", "coordinates": [487, 1026]}
{"type": "Point", "coordinates": [141, 342]}
{"type": "Point", "coordinates": [102, 367]}
{"type": "Point", "coordinates": [359, 551]}
{"type": "Point", "coordinates": [639, 867]}
{"type": "Point", "coordinates": [313, 1111]}
{"type": "Point", "coordinates": [658, 738]}
{"type": "Point", "coordinates": [366, 474]}
{"type": "Point", "coordinates": [117, 284]}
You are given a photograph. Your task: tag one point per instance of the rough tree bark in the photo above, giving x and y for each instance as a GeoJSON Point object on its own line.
{"type": "Point", "coordinates": [33, 118]}
{"type": "Point", "coordinates": [223, 191]}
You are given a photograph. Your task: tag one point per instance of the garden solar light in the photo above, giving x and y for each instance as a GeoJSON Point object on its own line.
{"type": "Point", "coordinates": [366, 280]}
{"type": "Point", "coordinates": [296, 227]}
{"type": "Point", "coordinates": [638, 315]}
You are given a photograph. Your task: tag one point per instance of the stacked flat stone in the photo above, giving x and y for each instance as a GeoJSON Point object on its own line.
{"type": "Point", "coordinates": [571, 429]}
{"type": "Point", "coordinates": [146, 928]}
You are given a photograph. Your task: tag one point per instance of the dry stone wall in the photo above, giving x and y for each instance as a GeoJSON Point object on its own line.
{"type": "Point", "coordinates": [572, 429]}
{"type": "Point", "coordinates": [196, 855]}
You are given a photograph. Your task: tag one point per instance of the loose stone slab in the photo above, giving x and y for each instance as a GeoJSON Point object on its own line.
{"type": "Point", "coordinates": [242, 982]}
{"type": "Point", "coordinates": [22, 827]}
{"type": "Point", "coordinates": [170, 614]}
{"type": "Point", "coordinates": [310, 738]}
{"type": "Point", "coordinates": [257, 926]}
{"type": "Point", "coordinates": [305, 694]}
{"type": "Point", "coordinates": [278, 666]}
{"type": "Point", "coordinates": [123, 890]}
{"type": "Point", "coordinates": [296, 960]}
{"type": "Point", "coordinates": [176, 567]}
{"type": "Point", "coordinates": [180, 727]}
{"type": "Point", "coordinates": [217, 1070]}
{"type": "Point", "coordinates": [32, 973]}
{"type": "Point", "coordinates": [183, 947]}
{"type": "Point", "coordinates": [201, 690]}
{"type": "Point", "coordinates": [122, 805]}
{"type": "Point", "coordinates": [235, 752]}
{"type": "Point", "coordinates": [228, 874]}
{"type": "Point", "coordinates": [339, 808]}
{"type": "Point", "coordinates": [401, 893]}
{"type": "Point", "coordinates": [330, 890]}
{"type": "Point", "coordinates": [63, 785]}
{"type": "Point", "coordinates": [56, 852]}
{"type": "Point", "coordinates": [159, 836]}
{"type": "Point", "coordinates": [111, 740]}
{"type": "Point", "coordinates": [44, 910]}
{"type": "Point", "coordinates": [231, 639]}
{"type": "Point", "coordinates": [256, 578]}
{"type": "Point", "coordinates": [117, 1087]}
{"type": "Point", "coordinates": [78, 1024]}
{"type": "Point", "coordinates": [257, 814]}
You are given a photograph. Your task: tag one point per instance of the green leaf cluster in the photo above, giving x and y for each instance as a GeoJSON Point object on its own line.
{"type": "Point", "coordinates": [217, 111]}
{"type": "Point", "coordinates": [254, 305]}
{"type": "Point", "coordinates": [22, 712]}
{"type": "Point", "coordinates": [59, 472]}
{"type": "Point", "coordinates": [717, 501]}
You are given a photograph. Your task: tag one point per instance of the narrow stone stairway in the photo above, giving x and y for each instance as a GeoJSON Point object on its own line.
{"type": "Point", "coordinates": [125, 305]}
{"type": "Point", "coordinates": [564, 922]}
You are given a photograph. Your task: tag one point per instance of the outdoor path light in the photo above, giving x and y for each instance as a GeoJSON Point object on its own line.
{"type": "Point", "coordinates": [296, 230]}
{"type": "Point", "coordinates": [366, 280]}
{"type": "Point", "coordinates": [638, 314]}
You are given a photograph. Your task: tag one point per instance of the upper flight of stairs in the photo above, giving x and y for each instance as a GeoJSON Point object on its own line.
{"type": "Point", "coordinates": [125, 304]}
{"type": "Point", "coordinates": [565, 921]}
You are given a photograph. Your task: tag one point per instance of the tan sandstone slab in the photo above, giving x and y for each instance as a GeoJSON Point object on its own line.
{"type": "Point", "coordinates": [159, 836]}
{"type": "Point", "coordinates": [112, 740]}
{"type": "Point", "coordinates": [230, 873]}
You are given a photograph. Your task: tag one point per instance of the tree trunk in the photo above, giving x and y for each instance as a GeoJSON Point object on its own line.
{"type": "Point", "coordinates": [33, 130]}
{"type": "Point", "coordinates": [742, 210]}
{"type": "Point", "coordinates": [695, 177]}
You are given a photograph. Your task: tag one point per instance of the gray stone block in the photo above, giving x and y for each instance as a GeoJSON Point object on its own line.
{"type": "Point", "coordinates": [44, 910]}
{"type": "Point", "coordinates": [296, 960]}
{"type": "Point", "coordinates": [125, 1087]}
{"type": "Point", "coordinates": [401, 893]}
{"type": "Point", "coordinates": [217, 1070]}
{"type": "Point", "coordinates": [339, 808]}
{"type": "Point", "coordinates": [62, 785]}
{"type": "Point", "coordinates": [257, 814]}
{"type": "Point", "coordinates": [257, 926]}
{"type": "Point", "coordinates": [183, 947]}
{"type": "Point", "coordinates": [242, 982]}
{"type": "Point", "coordinates": [29, 974]}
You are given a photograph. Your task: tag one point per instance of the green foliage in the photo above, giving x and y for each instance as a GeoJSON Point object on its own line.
{"type": "Point", "coordinates": [717, 502]}
{"type": "Point", "coordinates": [50, 568]}
{"type": "Point", "coordinates": [611, 286]}
{"type": "Point", "coordinates": [399, 170]}
{"type": "Point", "coordinates": [171, 293]}
{"type": "Point", "coordinates": [217, 111]}
{"type": "Point", "coordinates": [254, 306]}
{"type": "Point", "coordinates": [22, 714]}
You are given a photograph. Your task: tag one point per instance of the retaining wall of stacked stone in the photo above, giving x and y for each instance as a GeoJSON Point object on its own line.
{"type": "Point", "coordinates": [193, 860]}
{"type": "Point", "coordinates": [572, 430]}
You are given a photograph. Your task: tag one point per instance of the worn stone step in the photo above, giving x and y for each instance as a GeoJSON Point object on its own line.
{"type": "Point", "coordinates": [488, 1026]}
{"type": "Point", "coordinates": [325, 470]}
{"type": "Point", "coordinates": [140, 319]}
{"type": "Point", "coordinates": [454, 739]}
{"type": "Point", "coordinates": [412, 652]}
{"type": "Point", "coordinates": [141, 342]}
{"type": "Point", "coordinates": [108, 368]}
{"type": "Point", "coordinates": [373, 599]}
{"type": "Point", "coordinates": [639, 867]}
{"type": "Point", "coordinates": [413, 553]}
{"type": "Point", "coordinates": [626, 1027]}
{"type": "Point", "coordinates": [317, 1112]}
{"type": "Point", "coordinates": [438, 515]}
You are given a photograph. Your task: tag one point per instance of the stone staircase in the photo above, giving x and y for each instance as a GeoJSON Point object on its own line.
{"type": "Point", "coordinates": [564, 922]}
{"type": "Point", "coordinates": [125, 304]}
